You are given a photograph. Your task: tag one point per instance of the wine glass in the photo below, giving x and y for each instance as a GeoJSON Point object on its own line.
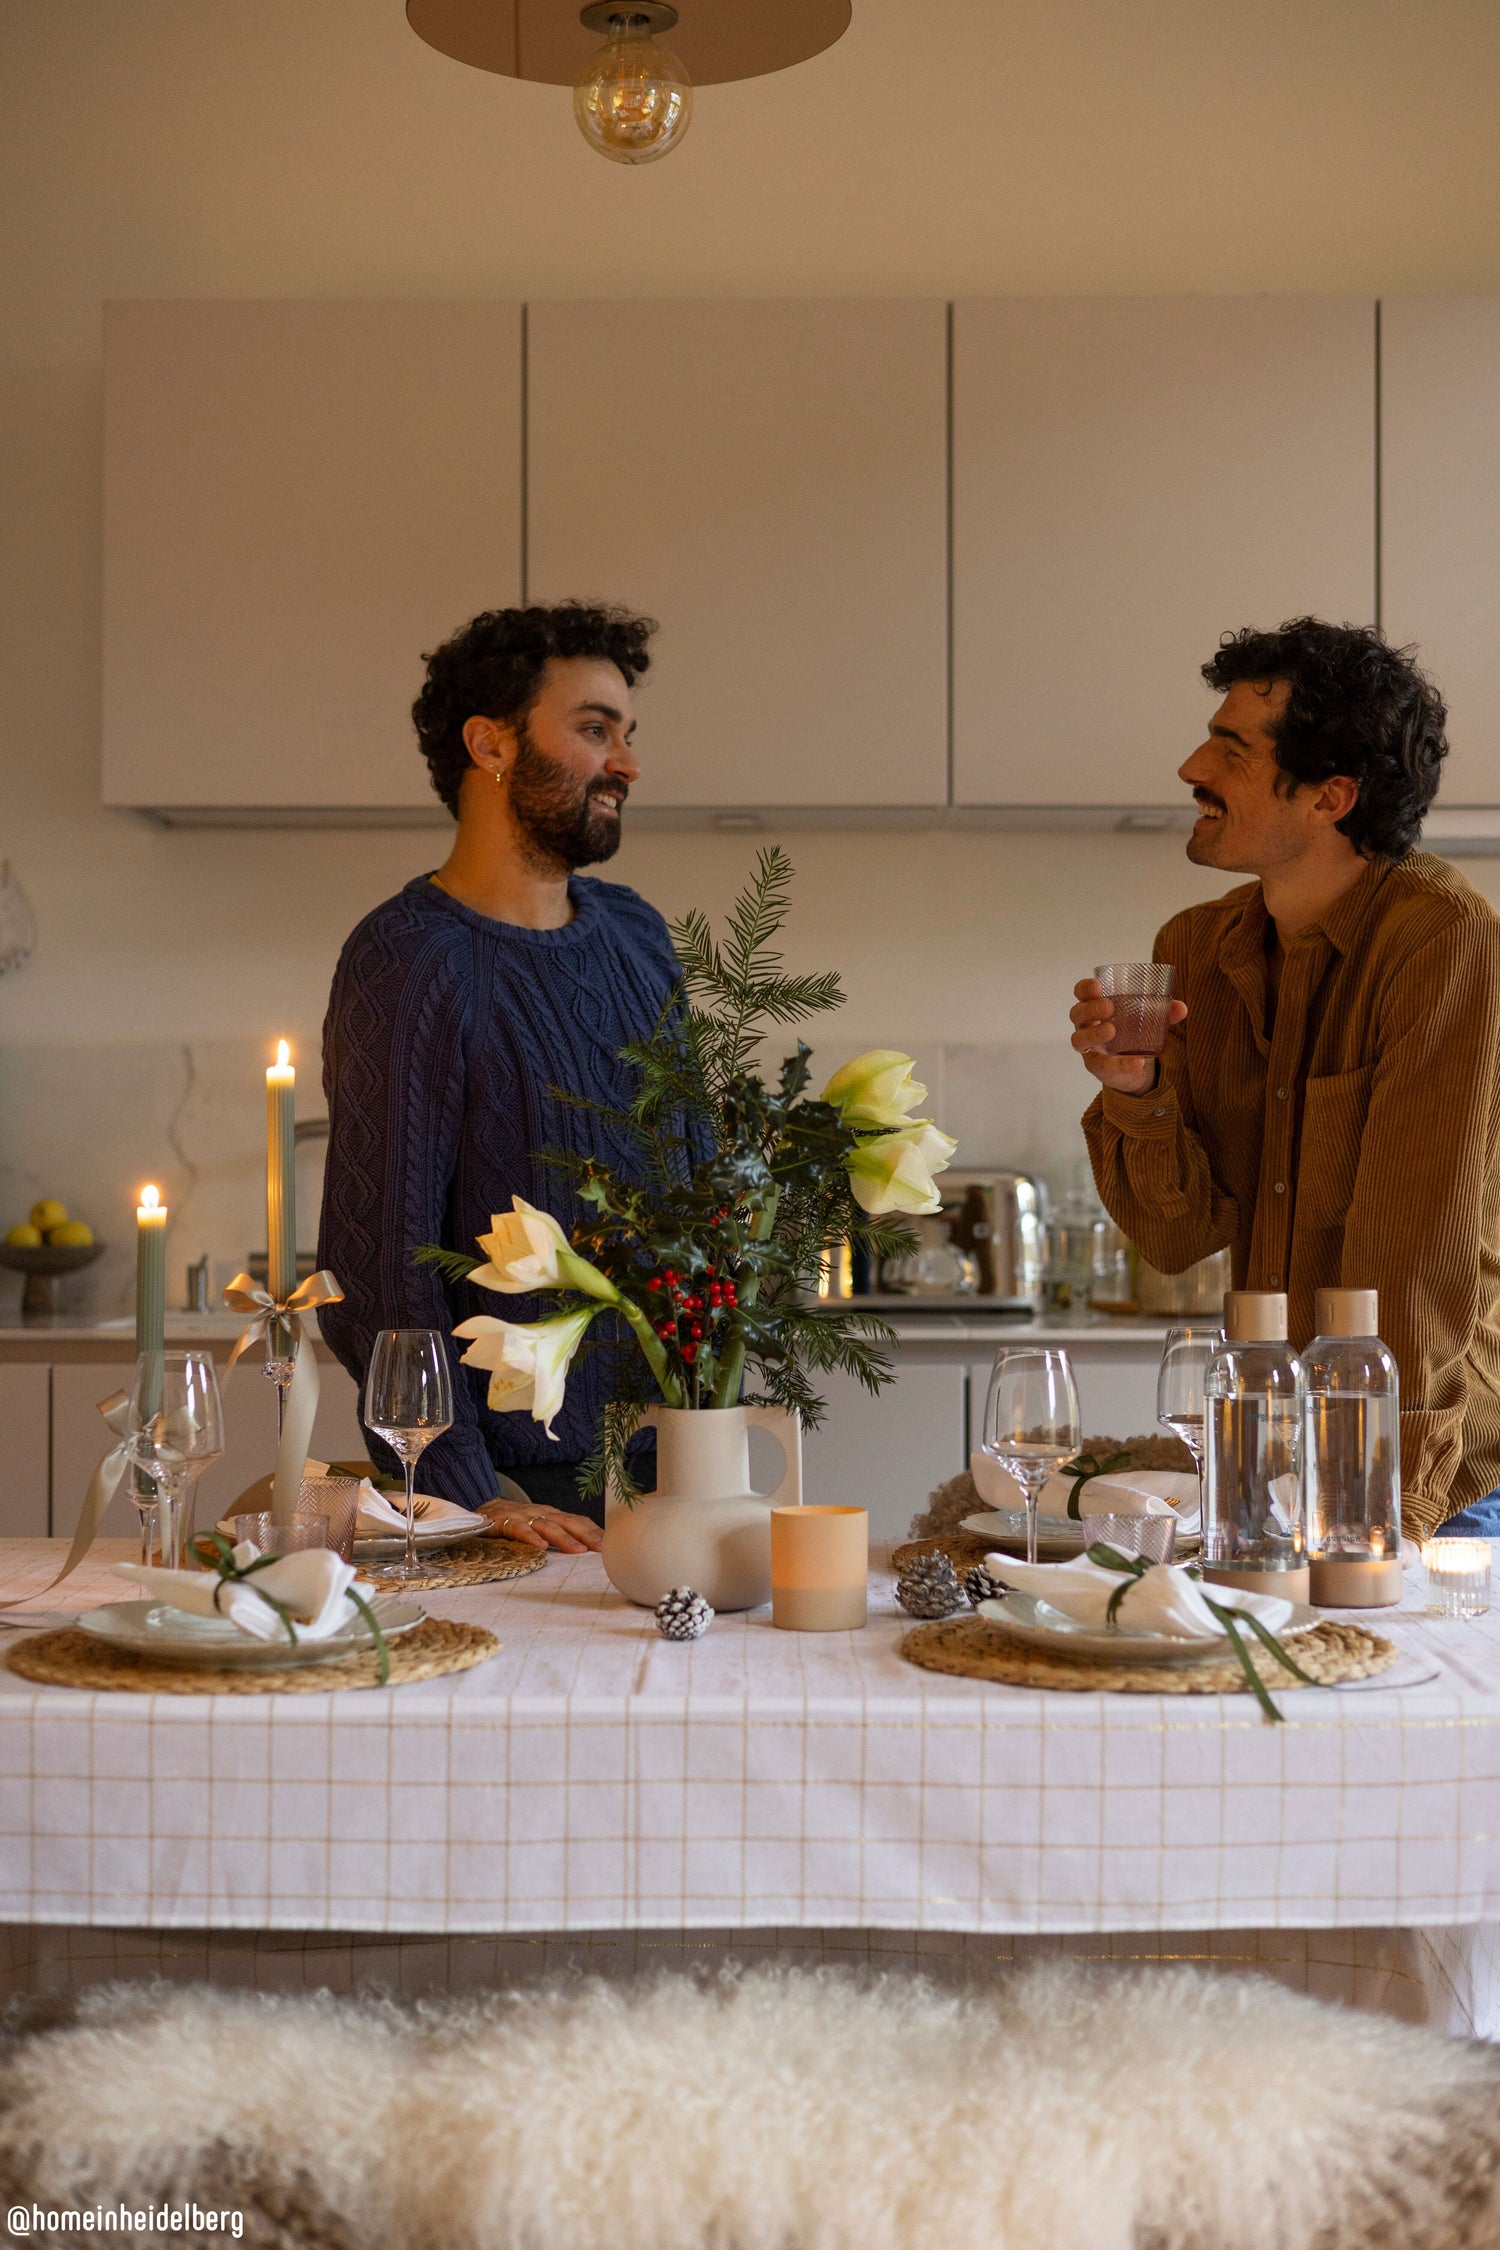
{"type": "Point", "coordinates": [176, 1430]}
{"type": "Point", "coordinates": [1031, 1421]}
{"type": "Point", "coordinates": [409, 1402]}
{"type": "Point", "coordinates": [1179, 1388]}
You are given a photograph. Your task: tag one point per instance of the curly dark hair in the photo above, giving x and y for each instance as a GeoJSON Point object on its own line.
{"type": "Point", "coordinates": [493, 667]}
{"type": "Point", "coordinates": [1357, 707]}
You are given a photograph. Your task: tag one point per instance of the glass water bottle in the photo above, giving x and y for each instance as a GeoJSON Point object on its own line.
{"type": "Point", "coordinates": [1253, 1533]}
{"type": "Point", "coordinates": [1351, 1454]}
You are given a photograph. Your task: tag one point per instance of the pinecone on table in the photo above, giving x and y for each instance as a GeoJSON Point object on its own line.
{"type": "Point", "coordinates": [683, 1615]}
{"type": "Point", "coordinates": [981, 1585]}
{"type": "Point", "coordinates": [929, 1588]}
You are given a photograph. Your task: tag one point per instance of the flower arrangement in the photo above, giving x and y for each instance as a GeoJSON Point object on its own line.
{"type": "Point", "coordinates": [701, 1267]}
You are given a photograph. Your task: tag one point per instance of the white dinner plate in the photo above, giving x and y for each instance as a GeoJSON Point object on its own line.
{"type": "Point", "coordinates": [1036, 1623]}
{"type": "Point", "coordinates": [179, 1636]}
{"type": "Point", "coordinates": [445, 1533]}
{"type": "Point", "coordinates": [1056, 1536]}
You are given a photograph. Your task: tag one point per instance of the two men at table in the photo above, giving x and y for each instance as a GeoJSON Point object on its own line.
{"type": "Point", "coordinates": [466, 1007]}
{"type": "Point", "coordinates": [1328, 1104]}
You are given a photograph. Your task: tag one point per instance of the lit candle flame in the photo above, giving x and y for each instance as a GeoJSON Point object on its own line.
{"type": "Point", "coordinates": [150, 1197]}
{"type": "Point", "coordinates": [283, 1054]}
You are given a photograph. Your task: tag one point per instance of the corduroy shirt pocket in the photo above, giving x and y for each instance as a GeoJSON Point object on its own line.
{"type": "Point", "coordinates": [1333, 1123]}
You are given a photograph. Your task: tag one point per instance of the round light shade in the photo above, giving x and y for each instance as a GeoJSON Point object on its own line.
{"type": "Point", "coordinates": [543, 40]}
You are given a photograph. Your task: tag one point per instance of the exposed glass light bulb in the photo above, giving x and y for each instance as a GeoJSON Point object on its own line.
{"type": "Point", "coordinates": [634, 99]}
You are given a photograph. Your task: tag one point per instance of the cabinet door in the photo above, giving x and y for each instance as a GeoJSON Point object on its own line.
{"type": "Point", "coordinates": [769, 481]}
{"type": "Point", "coordinates": [886, 1453]}
{"type": "Point", "coordinates": [299, 500]}
{"type": "Point", "coordinates": [1440, 515]}
{"type": "Point", "coordinates": [1131, 479]}
{"type": "Point", "coordinates": [25, 1394]}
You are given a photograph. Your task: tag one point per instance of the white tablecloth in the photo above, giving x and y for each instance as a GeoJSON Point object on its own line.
{"type": "Point", "coordinates": [593, 1777]}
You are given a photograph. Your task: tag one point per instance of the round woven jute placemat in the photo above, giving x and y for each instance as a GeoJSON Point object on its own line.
{"type": "Point", "coordinates": [478, 1562]}
{"type": "Point", "coordinates": [70, 1658]}
{"type": "Point", "coordinates": [978, 1650]}
{"type": "Point", "coordinates": [962, 1548]}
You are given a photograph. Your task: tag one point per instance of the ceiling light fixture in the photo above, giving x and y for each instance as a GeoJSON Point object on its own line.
{"type": "Point", "coordinates": [632, 98]}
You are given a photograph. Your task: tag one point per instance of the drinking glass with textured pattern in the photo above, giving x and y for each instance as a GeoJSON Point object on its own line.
{"type": "Point", "coordinates": [1142, 996]}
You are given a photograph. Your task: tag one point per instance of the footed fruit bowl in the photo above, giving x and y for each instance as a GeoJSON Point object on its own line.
{"type": "Point", "coordinates": [42, 1267]}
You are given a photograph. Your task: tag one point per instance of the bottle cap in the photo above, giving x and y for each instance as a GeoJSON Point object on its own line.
{"type": "Point", "coordinates": [1255, 1316]}
{"type": "Point", "coordinates": [1348, 1312]}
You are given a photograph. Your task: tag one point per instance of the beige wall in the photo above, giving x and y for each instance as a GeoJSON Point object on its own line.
{"type": "Point", "coordinates": [195, 147]}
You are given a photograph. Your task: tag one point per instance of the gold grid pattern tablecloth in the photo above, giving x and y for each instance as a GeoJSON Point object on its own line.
{"type": "Point", "coordinates": [594, 1776]}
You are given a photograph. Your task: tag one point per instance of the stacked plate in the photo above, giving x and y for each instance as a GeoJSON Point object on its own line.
{"type": "Point", "coordinates": [1057, 1537]}
{"type": "Point", "coordinates": [175, 1636]}
{"type": "Point", "coordinates": [1037, 1624]}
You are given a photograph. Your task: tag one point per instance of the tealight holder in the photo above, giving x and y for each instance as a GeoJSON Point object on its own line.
{"type": "Point", "coordinates": [1458, 1577]}
{"type": "Point", "coordinates": [820, 1567]}
{"type": "Point", "coordinates": [1155, 1537]}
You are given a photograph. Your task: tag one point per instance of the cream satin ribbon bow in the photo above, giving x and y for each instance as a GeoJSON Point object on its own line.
{"type": "Point", "coordinates": [247, 1296]}
{"type": "Point", "coordinates": [103, 1485]}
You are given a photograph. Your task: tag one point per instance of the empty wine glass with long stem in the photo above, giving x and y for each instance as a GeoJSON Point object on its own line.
{"type": "Point", "coordinates": [1185, 1361]}
{"type": "Point", "coordinates": [409, 1402]}
{"type": "Point", "coordinates": [1031, 1423]}
{"type": "Point", "coordinates": [176, 1430]}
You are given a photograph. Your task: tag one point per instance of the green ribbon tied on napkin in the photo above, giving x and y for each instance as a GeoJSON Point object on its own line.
{"type": "Point", "coordinates": [1132, 1567]}
{"type": "Point", "coordinates": [1084, 1469]}
{"type": "Point", "coordinates": [232, 1573]}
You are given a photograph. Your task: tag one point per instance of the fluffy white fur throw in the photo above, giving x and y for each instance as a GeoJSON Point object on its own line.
{"type": "Point", "coordinates": [1071, 2108]}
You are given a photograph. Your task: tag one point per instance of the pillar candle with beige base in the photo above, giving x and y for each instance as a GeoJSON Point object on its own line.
{"type": "Point", "coordinates": [1351, 1455]}
{"type": "Point", "coordinates": [820, 1567]}
{"type": "Point", "coordinates": [1253, 1521]}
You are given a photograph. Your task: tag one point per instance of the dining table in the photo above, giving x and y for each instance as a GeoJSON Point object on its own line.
{"type": "Point", "coordinates": [596, 1794]}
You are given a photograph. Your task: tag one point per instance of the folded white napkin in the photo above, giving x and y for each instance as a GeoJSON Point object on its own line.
{"type": "Point", "coordinates": [313, 1583]}
{"type": "Point", "coordinates": [381, 1514]}
{"type": "Point", "coordinates": [1124, 1492]}
{"type": "Point", "coordinates": [1162, 1600]}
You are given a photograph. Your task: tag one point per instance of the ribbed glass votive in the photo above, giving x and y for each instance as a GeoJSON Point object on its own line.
{"type": "Point", "coordinates": [1458, 1577]}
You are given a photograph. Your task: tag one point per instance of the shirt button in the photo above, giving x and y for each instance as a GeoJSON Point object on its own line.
{"type": "Point", "coordinates": [1275, 1281]}
{"type": "Point", "coordinates": [1158, 1113]}
{"type": "Point", "coordinates": [1280, 1188]}
{"type": "Point", "coordinates": [1283, 1093]}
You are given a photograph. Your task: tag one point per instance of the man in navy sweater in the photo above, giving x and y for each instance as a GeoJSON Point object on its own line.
{"type": "Point", "coordinates": [465, 1003]}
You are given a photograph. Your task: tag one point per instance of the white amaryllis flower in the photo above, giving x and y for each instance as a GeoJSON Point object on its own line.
{"type": "Point", "coordinates": [894, 1171]}
{"type": "Point", "coordinates": [528, 1363]}
{"type": "Point", "coordinates": [528, 1251]}
{"type": "Point", "coordinates": [875, 1090]}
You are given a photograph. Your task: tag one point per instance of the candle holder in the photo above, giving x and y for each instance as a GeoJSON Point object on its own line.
{"type": "Point", "coordinates": [1458, 1577]}
{"type": "Point", "coordinates": [279, 1369]}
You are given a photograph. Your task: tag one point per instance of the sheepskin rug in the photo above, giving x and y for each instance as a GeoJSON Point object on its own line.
{"type": "Point", "coordinates": [1067, 2108]}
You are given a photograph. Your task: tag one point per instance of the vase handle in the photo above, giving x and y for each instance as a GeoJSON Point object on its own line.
{"type": "Point", "coordinates": [786, 1429]}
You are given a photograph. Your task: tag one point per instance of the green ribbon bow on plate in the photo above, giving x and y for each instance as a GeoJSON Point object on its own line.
{"type": "Point", "coordinates": [1084, 1469]}
{"type": "Point", "coordinates": [1132, 1567]}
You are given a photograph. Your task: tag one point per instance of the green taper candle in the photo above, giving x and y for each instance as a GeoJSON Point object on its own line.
{"type": "Point", "coordinates": [150, 1272]}
{"type": "Point", "coordinates": [281, 1175]}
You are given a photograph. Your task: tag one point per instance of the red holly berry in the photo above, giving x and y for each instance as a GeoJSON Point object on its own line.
{"type": "Point", "coordinates": [689, 1354]}
{"type": "Point", "coordinates": [669, 1274]}
{"type": "Point", "coordinates": [694, 1303]}
{"type": "Point", "coordinates": [667, 1328]}
{"type": "Point", "coordinates": [696, 1330]}
{"type": "Point", "coordinates": [654, 1282]}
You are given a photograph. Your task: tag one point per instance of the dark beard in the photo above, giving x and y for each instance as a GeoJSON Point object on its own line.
{"type": "Point", "coordinates": [558, 818]}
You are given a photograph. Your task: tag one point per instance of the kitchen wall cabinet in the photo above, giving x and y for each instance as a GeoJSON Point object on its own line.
{"type": "Point", "coordinates": [1440, 516]}
{"type": "Point", "coordinates": [1132, 478]}
{"type": "Point", "coordinates": [25, 1417]}
{"type": "Point", "coordinates": [768, 479]}
{"type": "Point", "coordinates": [299, 500]}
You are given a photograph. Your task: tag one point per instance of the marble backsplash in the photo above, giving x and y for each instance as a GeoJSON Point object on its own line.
{"type": "Point", "coordinates": [93, 1123]}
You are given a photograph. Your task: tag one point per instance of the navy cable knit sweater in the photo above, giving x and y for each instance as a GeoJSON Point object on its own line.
{"type": "Point", "coordinates": [446, 1035]}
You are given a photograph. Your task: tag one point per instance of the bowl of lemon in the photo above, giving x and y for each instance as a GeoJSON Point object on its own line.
{"type": "Point", "coordinates": [44, 1245]}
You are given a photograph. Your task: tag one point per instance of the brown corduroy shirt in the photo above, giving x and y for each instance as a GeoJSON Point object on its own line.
{"type": "Point", "coordinates": [1356, 1143]}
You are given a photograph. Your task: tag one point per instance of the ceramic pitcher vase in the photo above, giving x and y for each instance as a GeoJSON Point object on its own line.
{"type": "Point", "coordinates": [703, 1526]}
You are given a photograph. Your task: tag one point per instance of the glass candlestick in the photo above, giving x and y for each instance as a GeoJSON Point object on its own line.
{"type": "Point", "coordinates": [279, 1369]}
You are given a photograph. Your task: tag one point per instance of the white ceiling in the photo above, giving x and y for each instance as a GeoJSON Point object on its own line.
{"type": "Point", "coordinates": [943, 146]}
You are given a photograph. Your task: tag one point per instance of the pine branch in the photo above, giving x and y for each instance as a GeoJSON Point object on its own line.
{"type": "Point", "coordinates": [453, 1265]}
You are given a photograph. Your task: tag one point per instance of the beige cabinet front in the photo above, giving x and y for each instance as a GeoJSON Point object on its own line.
{"type": "Point", "coordinates": [25, 1407]}
{"type": "Point", "coordinates": [1133, 478]}
{"type": "Point", "coordinates": [300, 500]}
{"type": "Point", "coordinates": [767, 479]}
{"type": "Point", "coordinates": [1440, 516]}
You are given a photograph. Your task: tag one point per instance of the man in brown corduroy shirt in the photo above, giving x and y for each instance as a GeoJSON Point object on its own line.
{"type": "Point", "coordinates": [1328, 1104]}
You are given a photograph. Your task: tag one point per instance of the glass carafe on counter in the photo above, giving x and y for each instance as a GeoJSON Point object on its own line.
{"type": "Point", "coordinates": [1081, 1255]}
{"type": "Point", "coordinates": [1253, 1533]}
{"type": "Point", "coordinates": [1351, 1455]}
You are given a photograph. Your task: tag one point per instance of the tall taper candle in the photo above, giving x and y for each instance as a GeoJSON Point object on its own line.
{"type": "Point", "coordinates": [281, 1175]}
{"type": "Point", "coordinates": [150, 1272]}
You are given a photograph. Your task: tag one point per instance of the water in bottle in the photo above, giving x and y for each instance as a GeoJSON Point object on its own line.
{"type": "Point", "coordinates": [1253, 1523]}
{"type": "Point", "coordinates": [1351, 1451]}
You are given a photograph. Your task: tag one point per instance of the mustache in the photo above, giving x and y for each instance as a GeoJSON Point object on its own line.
{"type": "Point", "coordinates": [620, 789]}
